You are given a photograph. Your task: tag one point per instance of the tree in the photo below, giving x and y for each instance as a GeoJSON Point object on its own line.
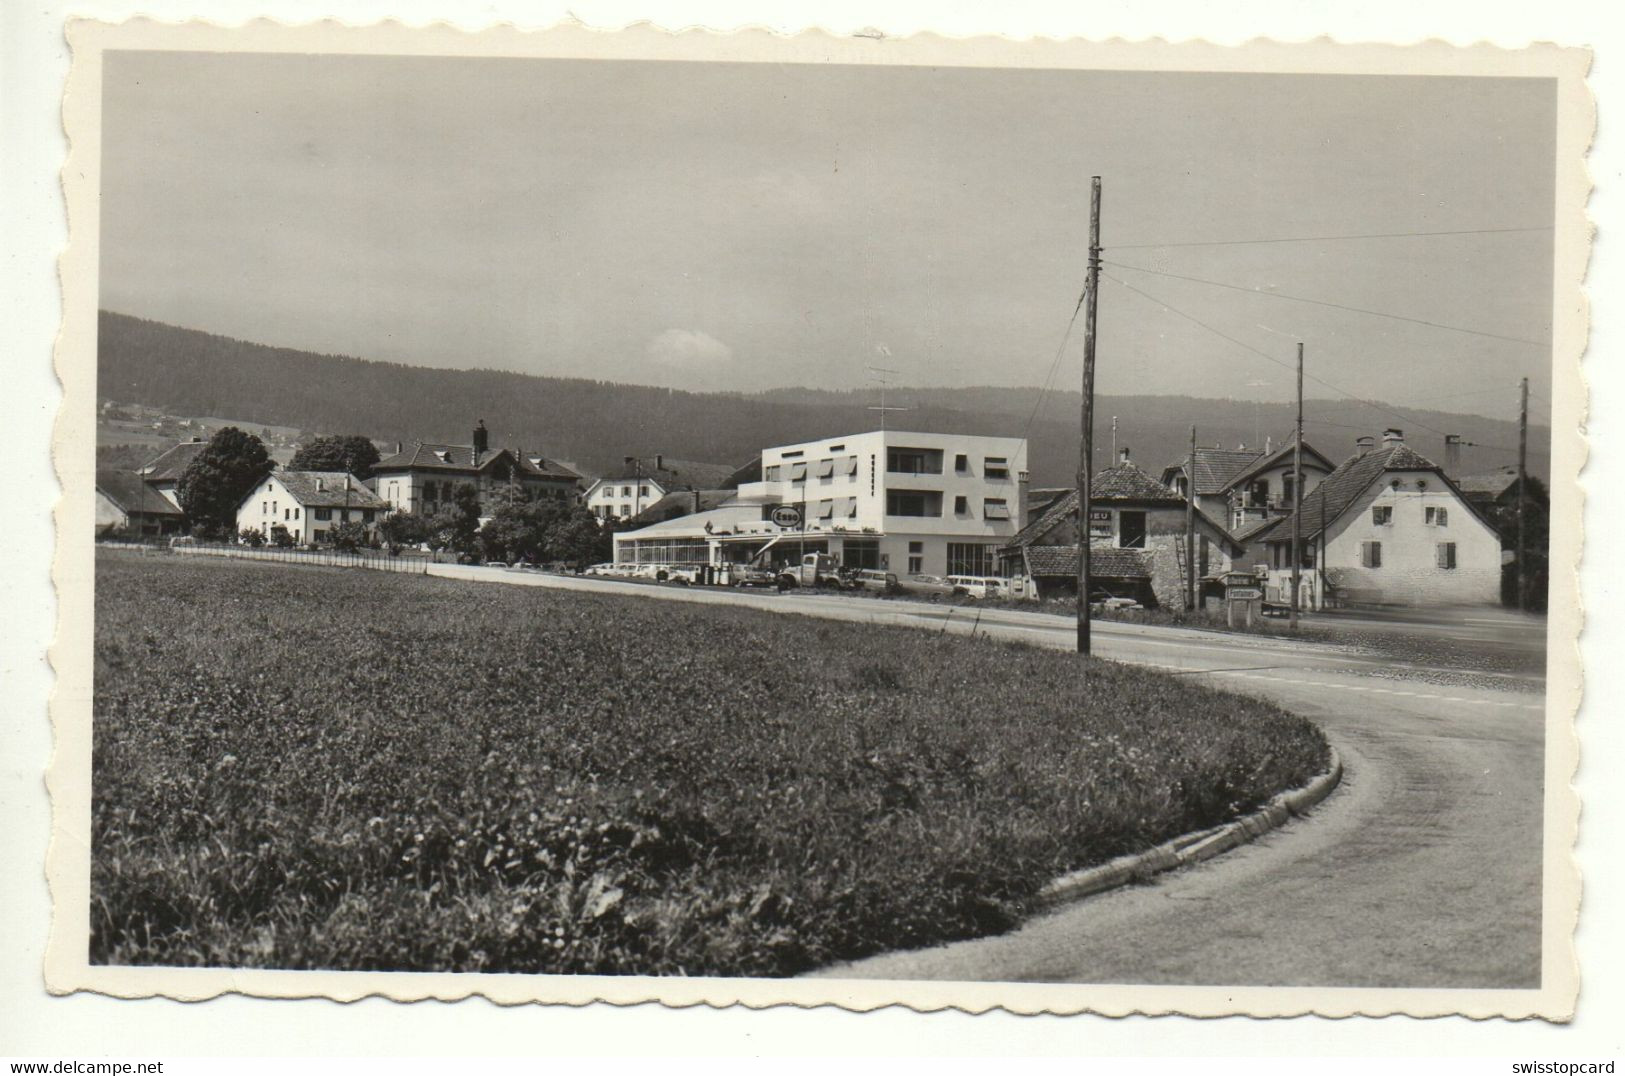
{"type": "Point", "coordinates": [400, 528]}
{"type": "Point", "coordinates": [251, 536]}
{"type": "Point", "coordinates": [281, 537]}
{"type": "Point", "coordinates": [457, 528]}
{"type": "Point", "coordinates": [219, 477]}
{"type": "Point", "coordinates": [579, 540]}
{"type": "Point", "coordinates": [351, 453]}
{"type": "Point", "coordinates": [519, 529]}
{"type": "Point", "coordinates": [348, 537]}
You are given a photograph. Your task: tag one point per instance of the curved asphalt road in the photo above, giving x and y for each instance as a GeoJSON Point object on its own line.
{"type": "Point", "coordinates": [1422, 870]}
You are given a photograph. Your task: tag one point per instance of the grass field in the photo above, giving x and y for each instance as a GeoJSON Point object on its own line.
{"type": "Point", "coordinates": [319, 768]}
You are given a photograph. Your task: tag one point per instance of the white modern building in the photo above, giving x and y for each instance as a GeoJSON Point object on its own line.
{"type": "Point", "coordinates": [910, 503]}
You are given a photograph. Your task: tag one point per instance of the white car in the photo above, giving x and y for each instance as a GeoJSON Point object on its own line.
{"type": "Point", "coordinates": [602, 569]}
{"type": "Point", "coordinates": [978, 586]}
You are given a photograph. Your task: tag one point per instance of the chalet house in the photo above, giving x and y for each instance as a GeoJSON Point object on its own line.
{"type": "Point", "coordinates": [164, 473]}
{"type": "Point", "coordinates": [1136, 542]}
{"type": "Point", "coordinates": [425, 478]}
{"type": "Point", "coordinates": [1245, 492]}
{"type": "Point", "coordinates": [641, 483]}
{"type": "Point", "coordinates": [309, 504]}
{"type": "Point", "coordinates": [1387, 527]}
{"type": "Point", "coordinates": [127, 504]}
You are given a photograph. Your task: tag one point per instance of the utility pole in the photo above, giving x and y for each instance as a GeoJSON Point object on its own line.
{"type": "Point", "coordinates": [1190, 524]}
{"type": "Point", "coordinates": [1297, 493]}
{"type": "Point", "coordinates": [1086, 454]}
{"type": "Point", "coordinates": [1523, 481]}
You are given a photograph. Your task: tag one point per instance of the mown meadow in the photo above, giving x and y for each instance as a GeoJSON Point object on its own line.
{"type": "Point", "coordinates": [299, 767]}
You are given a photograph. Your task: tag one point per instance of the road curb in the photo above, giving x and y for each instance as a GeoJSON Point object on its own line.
{"type": "Point", "coordinates": [1192, 847]}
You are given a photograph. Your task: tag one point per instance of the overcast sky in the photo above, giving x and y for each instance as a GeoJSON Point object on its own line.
{"type": "Point", "coordinates": [745, 226]}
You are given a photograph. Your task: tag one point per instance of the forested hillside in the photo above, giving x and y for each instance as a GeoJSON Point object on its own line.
{"type": "Point", "coordinates": [596, 423]}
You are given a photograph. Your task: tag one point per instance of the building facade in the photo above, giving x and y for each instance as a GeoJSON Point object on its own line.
{"type": "Point", "coordinates": [426, 477]}
{"type": "Point", "coordinates": [1387, 527]}
{"type": "Point", "coordinates": [909, 503]}
{"type": "Point", "coordinates": [126, 504]}
{"type": "Point", "coordinates": [309, 504]}
{"type": "Point", "coordinates": [641, 483]}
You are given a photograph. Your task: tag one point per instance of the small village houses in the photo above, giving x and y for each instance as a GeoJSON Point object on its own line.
{"type": "Point", "coordinates": [309, 504]}
{"type": "Point", "coordinates": [642, 483]}
{"type": "Point", "coordinates": [425, 477]}
{"type": "Point", "coordinates": [126, 504]}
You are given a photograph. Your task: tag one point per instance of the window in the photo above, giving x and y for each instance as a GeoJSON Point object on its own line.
{"type": "Point", "coordinates": [916, 564]}
{"type": "Point", "coordinates": [1382, 514]}
{"type": "Point", "coordinates": [961, 505]}
{"type": "Point", "coordinates": [850, 467]}
{"type": "Point", "coordinates": [860, 553]}
{"type": "Point", "coordinates": [995, 508]}
{"type": "Point", "coordinates": [836, 448]}
{"type": "Point", "coordinates": [798, 472]}
{"type": "Point", "coordinates": [366, 515]}
{"type": "Point", "coordinates": [643, 491]}
{"type": "Point", "coordinates": [916, 547]}
{"type": "Point", "coordinates": [773, 473]}
{"type": "Point", "coordinates": [265, 508]}
{"type": "Point", "coordinates": [826, 469]}
{"type": "Point", "coordinates": [287, 513]}
{"type": "Point", "coordinates": [961, 463]}
{"type": "Point", "coordinates": [1131, 530]}
{"type": "Point", "coordinates": [296, 513]}
{"type": "Point", "coordinates": [908, 502]}
{"type": "Point", "coordinates": [995, 467]}
{"type": "Point", "coordinates": [1371, 554]}
{"type": "Point", "coordinates": [826, 509]}
{"type": "Point", "coordinates": [851, 508]}
{"type": "Point", "coordinates": [1286, 489]}
{"type": "Point", "coordinates": [626, 491]}
{"type": "Point", "coordinates": [969, 558]}
{"type": "Point", "coordinates": [324, 514]}
{"type": "Point", "coordinates": [1445, 554]}
{"type": "Point", "coordinates": [914, 460]}
{"type": "Point", "coordinates": [1437, 517]}
{"type": "Point", "coordinates": [626, 511]}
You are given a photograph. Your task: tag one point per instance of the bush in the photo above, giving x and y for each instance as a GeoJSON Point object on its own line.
{"type": "Point", "coordinates": [251, 536]}
{"type": "Point", "coordinates": [281, 537]}
{"type": "Point", "coordinates": [485, 778]}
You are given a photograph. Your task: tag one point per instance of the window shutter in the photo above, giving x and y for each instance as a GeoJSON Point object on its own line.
{"type": "Point", "coordinates": [1444, 517]}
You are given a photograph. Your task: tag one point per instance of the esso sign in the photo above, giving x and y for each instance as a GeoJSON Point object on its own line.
{"type": "Point", "coordinates": [786, 515]}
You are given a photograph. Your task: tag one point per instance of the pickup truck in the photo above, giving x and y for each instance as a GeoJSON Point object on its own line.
{"type": "Point", "coordinates": [815, 570]}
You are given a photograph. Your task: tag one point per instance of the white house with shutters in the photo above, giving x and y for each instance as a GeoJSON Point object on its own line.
{"type": "Point", "coordinates": [1387, 527]}
{"type": "Point", "coordinates": [309, 504]}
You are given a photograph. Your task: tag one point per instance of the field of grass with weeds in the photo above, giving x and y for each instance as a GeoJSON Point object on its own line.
{"type": "Point", "coordinates": [318, 768]}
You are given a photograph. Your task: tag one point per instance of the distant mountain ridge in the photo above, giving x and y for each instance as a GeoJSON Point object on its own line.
{"type": "Point", "coordinates": [598, 423]}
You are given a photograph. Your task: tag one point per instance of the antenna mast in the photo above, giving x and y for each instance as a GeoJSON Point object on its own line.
{"type": "Point", "coordinates": [883, 383]}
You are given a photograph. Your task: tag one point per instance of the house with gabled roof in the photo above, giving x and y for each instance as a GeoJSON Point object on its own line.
{"type": "Point", "coordinates": [1387, 527]}
{"type": "Point", "coordinates": [126, 504]}
{"type": "Point", "coordinates": [1136, 541]}
{"type": "Point", "coordinates": [1241, 488]}
{"type": "Point", "coordinates": [425, 477]}
{"type": "Point", "coordinates": [163, 473]}
{"type": "Point", "coordinates": [1214, 467]}
{"type": "Point", "coordinates": [640, 483]}
{"type": "Point", "coordinates": [309, 504]}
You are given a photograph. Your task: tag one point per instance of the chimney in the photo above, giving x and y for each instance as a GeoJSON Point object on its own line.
{"type": "Point", "coordinates": [1022, 482]}
{"type": "Point", "coordinates": [399, 448]}
{"type": "Point", "coordinates": [1268, 444]}
{"type": "Point", "coordinates": [1393, 437]}
{"type": "Point", "coordinates": [1362, 445]}
{"type": "Point", "coordinates": [482, 440]}
{"type": "Point", "coordinates": [1452, 454]}
{"type": "Point", "coordinates": [696, 500]}
{"type": "Point", "coordinates": [1122, 457]}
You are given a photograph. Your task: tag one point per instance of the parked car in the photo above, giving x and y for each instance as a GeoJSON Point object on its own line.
{"type": "Point", "coordinates": [929, 586]}
{"type": "Point", "coordinates": [977, 586]}
{"type": "Point", "coordinates": [602, 569]}
{"type": "Point", "coordinates": [750, 575]}
{"type": "Point", "coordinates": [814, 570]}
{"type": "Point", "coordinates": [496, 564]}
{"type": "Point", "coordinates": [684, 573]}
{"type": "Point", "coordinates": [874, 579]}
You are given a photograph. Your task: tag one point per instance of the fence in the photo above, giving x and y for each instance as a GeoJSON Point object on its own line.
{"type": "Point", "coordinates": [411, 563]}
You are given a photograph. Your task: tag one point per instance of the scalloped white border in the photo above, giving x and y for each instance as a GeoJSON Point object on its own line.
{"type": "Point", "coordinates": [66, 969]}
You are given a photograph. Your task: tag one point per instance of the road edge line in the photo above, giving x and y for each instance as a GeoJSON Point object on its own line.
{"type": "Point", "coordinates": [1192, 848]}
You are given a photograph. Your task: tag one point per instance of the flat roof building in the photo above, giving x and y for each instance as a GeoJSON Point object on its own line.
{"type": "Point", "coordinates": [906, 502]}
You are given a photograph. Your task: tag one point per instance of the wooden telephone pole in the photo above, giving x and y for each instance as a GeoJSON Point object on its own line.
{"type": "Point", "coordinates": [1523, 481]}
{"type": "Point", "coordinates": [1297, 493]}
{"type": "Point", "coordinates": [1086, 454]}
{"type": "Point", "coordinates": [1190, 525]}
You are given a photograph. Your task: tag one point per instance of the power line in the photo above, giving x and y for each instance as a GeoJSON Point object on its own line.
{"type": "Point", "coordinates": [1055, 364]}
{"type": "Point", "coordinates": [1264, 354]}
{"type": "Point", "coordinates": [1322, 238]}
{"type": "Point", "coordinates": [1335, 306]}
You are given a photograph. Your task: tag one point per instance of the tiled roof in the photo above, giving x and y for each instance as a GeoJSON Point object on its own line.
{"type": "Point", "coordinates": [1105, 562]}
{"type": "Point", "coordinates": [1491, 484]}
{"type": "Point", "coordinates": [1215, 467]}
{"type": "Point", "coordinates": [302, 486]}
{"type": "Point", "coordinates": [1280, 455]}
{"type": "Point", "coordinates": [128, 490]}
{"type": "Point", "coordinates": [1127, 482]}
{"type": "Point", "coordinates": [168, 466]}
{"type": "Point", "coordinates": [1257, 528]}
{"type": "Point", "coordinates": [431, 456]}
{"type": "Point", "coordinates": [1340, 489]}
{"type": "Point", "coordinates": [682, 503]}
{"type": "Point", "coordinates": [676, 474]}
